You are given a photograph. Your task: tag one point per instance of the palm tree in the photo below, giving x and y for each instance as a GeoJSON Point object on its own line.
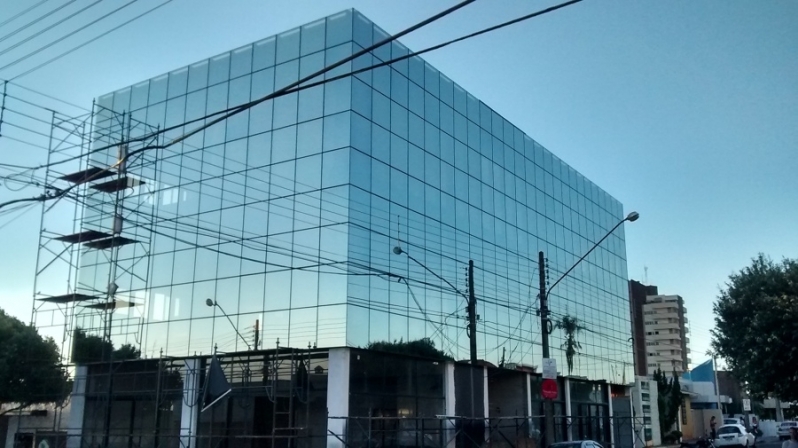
{"type": "Point", "coordinates": [571, 327]}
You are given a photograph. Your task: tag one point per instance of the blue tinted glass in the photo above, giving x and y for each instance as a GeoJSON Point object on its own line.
{"type": "Point", "coordinates": [198, 76]}
{"type": "Point", "coordinates": [241, 62]}
{"type": "Point", "coordinates": [284, 144]}
{"type": "Point", "coordinates": [219, 69]}
{"type": "Point", "coordinates": [361, 133]}
{"type": "Point", "coordinates": [335, 55]}
{"type": "Point", "coordinates": [337, 96]}
{"type": "Point", "coordinates": [362, 31]}
{"type": "Point", "coordinates": [311, 103]}
{"type": "Point", "coordinates": [361, 98]}
{"type": "Point", "coordinates": [309, 138]}
{"type": "Point", "coordinates": [285, 110]}
{"type": "Point", "coordinates": [398, 120]}
{"type": "Point", "coordinates": [431, 82]}
{"type": "Point", "coordinates": [287, 46]}
{"type": "Point", "coordinates": [312, 38]}
{"type": "Point", "coordinates": [263, 54]}
{"type": "Point", "coordinates": [339, 28]}
{"type": "Point", "coordinates": [157, 90]}
{"type": "Point", "coordinates": [311, 64]}
{"type": "Point", "coordinates": [336, 131]}
{"type": "Point", "coordinates": [177, 82]}
{"type": "Point", "coordinates": [335, 168]}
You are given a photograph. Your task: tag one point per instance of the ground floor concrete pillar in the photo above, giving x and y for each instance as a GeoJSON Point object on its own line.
{"type": "Point", "coordinates": [449, 400]}
{"type": "Point", "coordinates": [568, 421]}
{"type": "Point", "coordinates": [612, 419]}
{"type": "Point", "coordinates": [338, 397]}
{"type": "Point", "coordinates": [77, 407]}
{"type": "Point", "coordinates": [192, 402]}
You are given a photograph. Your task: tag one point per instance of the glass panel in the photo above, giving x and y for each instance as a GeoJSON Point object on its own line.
{"type": "Point", "coordinates": [263, 54]}
{"type": "Point", "coordinates": [287, 46]}
{"type": "Point", "coordinates": [313, 37]}
{"type": "Point", "coordinates": [339, 28]}
{"type": "Point", "coordinates": [242, 62]}
{"type": "Point", "coordinates": [219, 69]}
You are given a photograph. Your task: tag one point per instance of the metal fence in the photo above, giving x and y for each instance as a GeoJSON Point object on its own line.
{"type": "Point", "coordinates": [371, 432]}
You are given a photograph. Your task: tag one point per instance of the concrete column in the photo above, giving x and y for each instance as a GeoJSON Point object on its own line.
{"type": "Point", "coordinates": [486, 401]}
{"type": "Point", "coordinates": [529, 412]}
{"type": "Point", "coordinates": [612, 419]}
{"type": "Point", "coordinates": [77, 407]}
{"type": "Point", "coordinates": [192, 396]}
{"type": "Point", "coordinates": [337, 397]}
{"type": "Point", "coordinates": [449, 399]}
{"type": "Point", "coordinates": [567, 387]}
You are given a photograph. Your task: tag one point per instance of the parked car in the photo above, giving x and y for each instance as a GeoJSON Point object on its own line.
{"type": "Point", "coordinates": [734, 436]}
{"type": "Point", "coordinates": [576, 444]}
{"type": "Point", "coordinates": [784, 429]}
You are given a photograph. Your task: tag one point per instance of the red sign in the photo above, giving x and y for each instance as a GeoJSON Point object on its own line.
{"type": "Point", "coordinates": [548, 389]}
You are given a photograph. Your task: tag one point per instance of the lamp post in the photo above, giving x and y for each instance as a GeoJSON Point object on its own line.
{"type": "Point", "coordinates": [548, 408]}
{"type": "Point", "coordinates": [212, 303]}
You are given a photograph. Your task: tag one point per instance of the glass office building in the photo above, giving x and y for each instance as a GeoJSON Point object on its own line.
{"type": "Point", "coordinates": [288, 213]}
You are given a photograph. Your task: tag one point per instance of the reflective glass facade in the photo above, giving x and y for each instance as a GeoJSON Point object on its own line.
{"type": "Point", "coordinates": [288, 213]}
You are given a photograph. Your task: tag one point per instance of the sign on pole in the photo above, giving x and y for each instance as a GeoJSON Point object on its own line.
{"type": "Point", "coordinates": [549, 389]}
{"type": "Point", "coordinates": [747, 404]}
{"type": "Point", "coordinates": [549, 368]}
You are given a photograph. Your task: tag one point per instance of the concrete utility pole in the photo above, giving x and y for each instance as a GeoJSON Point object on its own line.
{"type": "Point", "coordinates": [472, 314]}
{"type": "Point", "coordinates": [548, 406]}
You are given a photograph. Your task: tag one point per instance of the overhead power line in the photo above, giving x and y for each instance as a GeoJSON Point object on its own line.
{"type": "Point", "coordinates": [78, 47]}
{"type": "Point", "coordinates": [36, 20]}
{"type": "Point", "coordinates": [40, 32]}
{"type": "Point", "coordinates": [300, 85]}
{"type": "Point", "coordinates": [247, 106]}
{"type": "Point", "coordinates": [22, 13]}
{"type": "Point", "coordinates": [61, 39]}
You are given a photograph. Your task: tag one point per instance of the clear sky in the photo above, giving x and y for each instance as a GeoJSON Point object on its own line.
{"type": "Point", "coordinates": [685, 111]}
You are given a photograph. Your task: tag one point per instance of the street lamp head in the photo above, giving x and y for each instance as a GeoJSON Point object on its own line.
{"type": "Point", "coordinates": [632, 217]}
{"type": "Point", "coordinates": [209, 302]}
{"type": "Point", "coordinates": [397, 250]}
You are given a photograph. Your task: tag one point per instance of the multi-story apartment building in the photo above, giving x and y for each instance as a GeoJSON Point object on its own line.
{"type": "Point", "coordinates": [666, 333]}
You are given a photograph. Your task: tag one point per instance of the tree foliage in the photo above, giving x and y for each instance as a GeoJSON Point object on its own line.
{"type": "Point", "coordinates": [30, 368]}
{"type": "Point", "coordinates": [756, 327]}
{"type": "Point", "coordinates": [424, 347]}
{"type": "Point", "coordinates": [88, 348]}
{"type": "Point", "coordinates": [669, 398]}
{"type": "Point", "coordinates": [571, 327]}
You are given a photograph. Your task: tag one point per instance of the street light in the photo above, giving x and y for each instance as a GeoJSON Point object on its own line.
{"type": "Point", "coordinates": [544, 314]}
{"type": "Point", "coordinates": [211, 303]}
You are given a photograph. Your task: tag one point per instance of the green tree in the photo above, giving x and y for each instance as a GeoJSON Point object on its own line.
{"type": "Point", "coordinates": [30, 368]}
{"type": "Point", "coordinates": [424, 347]}
{"type": "Point", "coordinates": [669, 398]}
{"type": "Point", "coordinates": [571, 327]}
{"type": "Point", "coordinates": [88, 348]}
{"type": "Point", "coordinates": [756, 327]}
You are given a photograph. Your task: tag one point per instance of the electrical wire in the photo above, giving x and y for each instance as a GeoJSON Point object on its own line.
{"type": "Point", "coordinates": [37, 20]}
{"type": "Point", "coordinates": [40, 32]}
{"type": "Point", "coordinates": [56, 41]}
{"type": "Point", "coordinates": [303, 84]}
{"type": "Point", "coordinates": [22, 13]}
{"type": "Point", "coordinates": [72, 50]}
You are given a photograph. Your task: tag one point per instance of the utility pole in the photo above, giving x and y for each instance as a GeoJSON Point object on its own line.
{"type": "Point", "coordinates": [548, 406]}
{"type": "Point", "coordinates": [257, 335]}
{"type": "Point", "coordinates": [472, 313]}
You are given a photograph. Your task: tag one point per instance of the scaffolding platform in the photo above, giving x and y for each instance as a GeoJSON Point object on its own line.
{"type": "Point", "coordinates": [83, 237]}
{"type": "Point", "coordinates": [89, 174]}
{"type": "Point", "coordinates": [115, 185]}
{"type": "Point", "coordinates": [68, 298]}
{"type": "Point", "coordinates": [108, 243]}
